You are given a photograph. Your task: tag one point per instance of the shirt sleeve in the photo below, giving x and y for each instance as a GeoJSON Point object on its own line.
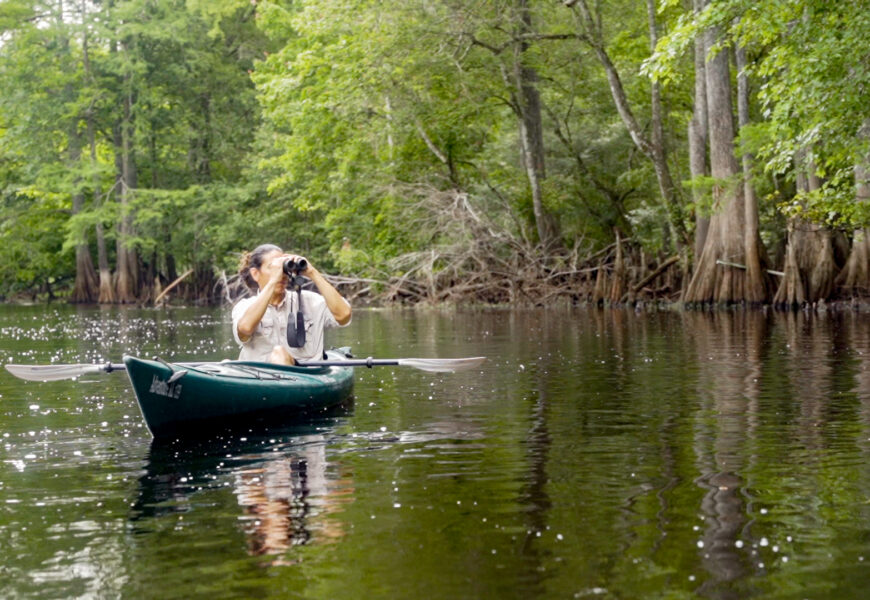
{"type": "Point", "coordinates": [321, 312]}
{"type": "Point", "coordinates": [238, 311]}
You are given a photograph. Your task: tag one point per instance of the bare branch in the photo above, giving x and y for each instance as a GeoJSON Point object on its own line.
{"type": "Point", "coordinates": [429, 144]}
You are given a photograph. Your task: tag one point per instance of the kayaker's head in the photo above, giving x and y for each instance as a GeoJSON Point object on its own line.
{"type": "Point", "coordinates": [251, 267]}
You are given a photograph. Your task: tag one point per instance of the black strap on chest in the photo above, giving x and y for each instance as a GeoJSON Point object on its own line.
{"type": "Point", "coordinates": [296, 330]}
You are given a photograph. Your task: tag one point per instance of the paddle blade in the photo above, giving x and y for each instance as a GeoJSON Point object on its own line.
{"type": "Point", "coordinates": [52, 372]}
{"type": "Point", "coordinates": [442, 365]}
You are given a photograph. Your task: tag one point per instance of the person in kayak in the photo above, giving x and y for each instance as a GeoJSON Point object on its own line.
{"type": "Point", "coordinates": [260, 322]}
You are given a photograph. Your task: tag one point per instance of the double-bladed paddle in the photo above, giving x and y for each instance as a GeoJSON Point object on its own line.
{"type": "Point", "coordinates": [431, 365]}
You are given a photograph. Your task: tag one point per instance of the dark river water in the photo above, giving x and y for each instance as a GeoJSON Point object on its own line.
{"type": "Point", "coordinates": [596, 454]}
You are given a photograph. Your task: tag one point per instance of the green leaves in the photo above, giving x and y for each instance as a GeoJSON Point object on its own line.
{"type": "Point", "coordinates": [813, 79]}
{"type": "Point", "coordinates": [330, 125]}
{"type": "Point", "coordinates": [182, 68]}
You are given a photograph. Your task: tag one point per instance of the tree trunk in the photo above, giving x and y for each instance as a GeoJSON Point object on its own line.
{"type": "Point", "coordinates": [85, 287]}
{"type": "Point", "coordinates": [824, 271]}
{"type": "Point", "coordinates": [810, 268]}
{"type": "Point", "coordinates": [725, 238]}
{"type": "Point", "coordinates": [528, 101]}
{"type": "Point", "coordinates": [617, 282]}
{"type": "Point", "coordinates": [126, 277]}
{"type": "Point", "coordinates": [792, 289]}
{"type": "Point", "coordinates": [171, 270]}
{"type": "Point", "coordinates": [600, 291]}
{"type": "Point", "coordinates": [756, 281]}
{"type": "Point", "coordinates": [698, 139]}
{"type": "Point", "coordinates": [653, 149]}
{"type": "Point", "coordinates": [201, 144]}
{"type": "Point", "coordinates": [106, 290]}
{"type": "Point", "coordinates": [855, 278]}
{"type": "Point", "coordinates": [150, 281]}
{"type": "Point", "coordinates": [670, 193]}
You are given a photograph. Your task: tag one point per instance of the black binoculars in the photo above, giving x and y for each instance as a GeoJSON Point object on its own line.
{"type": "Point", "coordinates": [294, 267]}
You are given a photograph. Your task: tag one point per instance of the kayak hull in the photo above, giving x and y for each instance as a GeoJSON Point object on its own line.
{"type": "Point", "coordinates": [176, 398]}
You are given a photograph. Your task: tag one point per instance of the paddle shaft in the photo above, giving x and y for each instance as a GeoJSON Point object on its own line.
{"type": "Point", "coordinates": [431, 365]}
{"type": "Point", "coordinates": [356, 362]}
{"type": "Point", "coordinates": [353, 362]}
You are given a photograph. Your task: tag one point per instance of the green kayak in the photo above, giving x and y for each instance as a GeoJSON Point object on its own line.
{"type": "Point", "coordinates": [173, 396]}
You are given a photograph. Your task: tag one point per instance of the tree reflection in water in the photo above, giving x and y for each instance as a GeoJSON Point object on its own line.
{"type": "Point", "coordinates": [729, 357]}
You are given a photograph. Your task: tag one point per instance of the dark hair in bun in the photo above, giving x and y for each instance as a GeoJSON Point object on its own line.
{"type": "Point", "coordinates": [254, 259]}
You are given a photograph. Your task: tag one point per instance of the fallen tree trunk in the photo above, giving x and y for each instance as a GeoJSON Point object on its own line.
{"type": "Point", "coordinates": [652, 276]}
{"type": "Point", "coordinates": [172, 285]}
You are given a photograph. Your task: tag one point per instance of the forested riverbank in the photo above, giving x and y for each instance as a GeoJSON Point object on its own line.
{"type": "Point", "coordinates": [515, 151]}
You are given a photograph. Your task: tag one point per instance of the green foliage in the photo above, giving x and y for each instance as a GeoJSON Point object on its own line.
{"type": "Point", "coordinates": [327, 126]}
{"type": "Point", "coordinates": [31, 226]}
{"type": "Point", "coordinates": [811, 61]}
{"type": "Point", "coordinates": [183, 68]}
{"type": "Point", "coordinates": [366, 105]}
{"type": "Point", "coordinates": [338, 127]}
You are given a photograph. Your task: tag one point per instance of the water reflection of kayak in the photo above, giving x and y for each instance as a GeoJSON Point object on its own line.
{"type": "Point", "coordinates": [172, 396]}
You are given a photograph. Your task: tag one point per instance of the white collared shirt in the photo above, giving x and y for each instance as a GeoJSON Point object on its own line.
{"type": "Point", "coordinates": [272, 329]}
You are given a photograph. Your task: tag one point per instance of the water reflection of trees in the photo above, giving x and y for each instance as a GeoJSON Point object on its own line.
{"type": "Point", "coordinates": [730, 350]}
{"type": "Point", "coordinates": [859, 341]}
{"type": "Point", "coordinates": [767, 389]}
{"type": "Point", "coordinates": [810, 341]}
{"type": "Point", "coordinates": [733, 417]}
{"type": "Point", "coordinates": [856, 332]}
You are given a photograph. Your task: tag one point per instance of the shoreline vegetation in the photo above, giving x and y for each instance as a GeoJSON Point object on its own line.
{"type": "Point", "coordinates": [710, 153]}
{"type": "Point", "coordinates": [598, 280]}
